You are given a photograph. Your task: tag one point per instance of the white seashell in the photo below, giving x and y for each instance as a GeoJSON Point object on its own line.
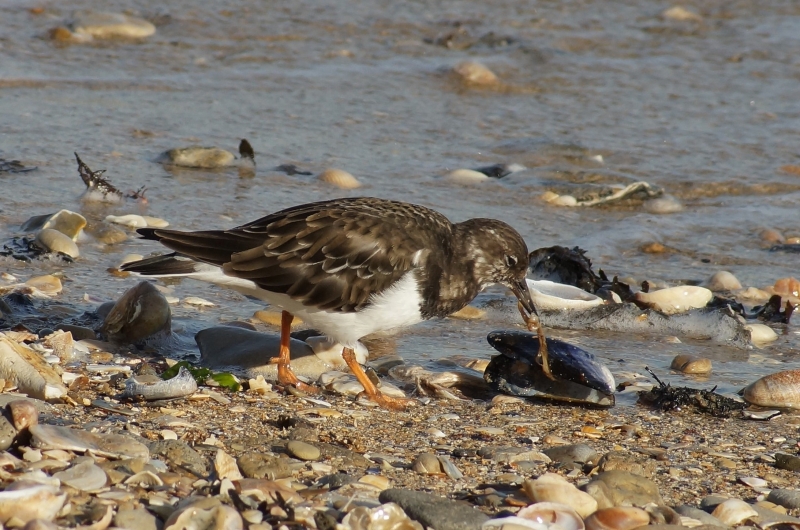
{"type": "Point", "coordinates": [549, 295]}
{"type": "Point", "coordinates": [681, 14]}
{"type": "Point", "coordinates": [513, 523]}
{"type": "Point", "coordinates": [675, 299]}
{"type": "Point", "coordinates": [761, 333]}
{"type": "Point", "coordinates": [225, 466]}
{"type": "Point", "coordinates": [130, 220]}
{"type": "Point", "coordinates": [754, 482]}
{"type": "Point", "coordinates": [55, 241]}
{"type": "Point", "coordinates": [465, 176]}
{"type": "Point", "coordinates": [564, 200]}
{"type": "Point", "coordinates": [167, 434]}
{"type": "Point", "coordinates": [101, 25]}
{"type": "Point", "coordinates": [108, 445]}
{"type": "Point", "coordinates": [23, 367]}
{"type": "Point", "coordinates": [196, 300]}
{"type": "Point", "coordinates": [474, 73]}
{"type": "Point", "coordinates": [553, 514]}
{"type": "Point", "coordinates": [450, 468]}
{"type": "Point", "coordinates": [47, 284]}
{"type": "Point", "coordinates": [723, 281]}
{"type": "Point", "coordinates": [733, 512]}
{"type": "Point", "coordinates": [377, 481]}
{"type": "Point", "coordinates": [663, 205]}
{"type": "Point", "coordinates": [339, 178]}
{"type": "Point", "coordinates": [144, 479]}
{"type": "Point", "coordinates": [155, 222]}
{"type": "Point", "coordinates": [25, 502]}
{"type": "Point", "coordinates": [754, 294]}
{"type": "Point", "coordinates": [781, 389]}
{"type": "Point", "coordinates": [181, 385]}
{"type": "Point", "coordinates": [326, 349]}
{"type": "Point", "coordinates": [84, 476]}
{"type": "Point", "coordinates": [385, 516]}
{"type": "Point", "coordinates": [553, 488]}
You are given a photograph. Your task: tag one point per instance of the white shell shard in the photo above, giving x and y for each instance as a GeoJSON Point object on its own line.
{"type": "Point", "coordinates": [181, 385]}
{"type": "Point", "coordinates": [108, 445]}
{"type": "Point", "coordinates": [27, 370]}
{"type": "Point", "coordinates": [25, 502]}
{"type": "Point", "coordinates": [734, 512]}
{"type": "Point", "coordinates": [549, 295]}
{"type": "Point", "coordinates": [676, 299]}
{"type": "Point", "coordinates": [102, 25]}
{"type": "Point", "coordinates": [225, 466]}
{"type": "Point", "coordinates": [84, 476]}
{"type": "Point", "coordinates": [130, 220]}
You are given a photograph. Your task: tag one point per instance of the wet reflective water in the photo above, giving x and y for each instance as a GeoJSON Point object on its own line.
{"type": "Point", "coordinates": [706, 109]}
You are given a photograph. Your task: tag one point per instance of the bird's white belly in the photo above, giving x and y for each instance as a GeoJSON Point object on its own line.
{"type": "Point", "coordinates": [397, 307]}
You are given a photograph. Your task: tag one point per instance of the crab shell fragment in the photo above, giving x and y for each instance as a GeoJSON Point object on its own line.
{"type": "Point", "coordinates": [579, 377]}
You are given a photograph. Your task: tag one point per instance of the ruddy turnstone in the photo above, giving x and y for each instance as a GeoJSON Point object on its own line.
{"type": "Point", "coordinates": [350, 267]}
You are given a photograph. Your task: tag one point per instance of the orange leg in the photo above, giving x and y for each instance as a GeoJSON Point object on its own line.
{"type": "Point", "coordinates": [285, 374]}
{"type": "Point", "coordinates": [370, 389]}
{"type": "Point", "coordinates": [532, 321]}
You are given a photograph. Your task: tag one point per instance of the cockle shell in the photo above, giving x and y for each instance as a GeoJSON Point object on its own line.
{"type": "Point", "coordinates": [558, 296]}
{"type": "Point", "coordinates": [339, 178]}
{"type": "Point", "coordinates": [733, 512]}
{"type": "Point", "coordinates": [675, 299]}
{"type": "Point", "coordinates": [689, 364]}
{"type": "Point", "coordinates": [427, 464]}
{"type": "Point", "coordinates": [781, 389]}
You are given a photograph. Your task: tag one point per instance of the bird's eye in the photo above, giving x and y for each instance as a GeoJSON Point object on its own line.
{"type": "Point", "coordinates": [511, 261]}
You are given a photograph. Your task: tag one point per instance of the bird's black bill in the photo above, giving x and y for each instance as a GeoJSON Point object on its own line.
{"type": "Point", "coordinates": [520, 290]}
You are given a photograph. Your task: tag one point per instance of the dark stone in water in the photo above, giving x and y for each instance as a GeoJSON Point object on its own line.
{"type": "Point", "coordinates": [517, 371]}
{"type": "Point", "coordinates": [291, 169]}
{"type": "Point", "coordinates": [496, 171]}
{"type": "Point", "coordinates": [793, 248]}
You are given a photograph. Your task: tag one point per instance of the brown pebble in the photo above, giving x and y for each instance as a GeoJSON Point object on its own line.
{"type": "Point", "coordinates": [60, 33]}
{"type": "Point", "coordinates": [689, 364]}
{"type": "Point", "coordinates": [770, 235]}
{"type": "Point", "coordinates": [23, 414]}
{"type": "Point", "coordinates": [653, 248]}
{"type": "Point", "coordinates": [787, 287]}
{"type": "Point", "coordinates": [791, 169]}
{"type": "Point", "coordinates": [474, 73]}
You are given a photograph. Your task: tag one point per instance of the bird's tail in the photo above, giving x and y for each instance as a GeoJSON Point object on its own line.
{"type": "Point", "coordinates": [168, 265]}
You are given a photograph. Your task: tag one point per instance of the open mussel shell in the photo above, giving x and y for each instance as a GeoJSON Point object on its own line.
{"type": "Point", "coordinates": [579, 377]}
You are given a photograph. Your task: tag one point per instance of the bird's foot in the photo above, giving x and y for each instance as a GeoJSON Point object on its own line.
{"type": "Point", "coordinates": [287, 377]}
{"type": "Point", "coordinates": [389, 402]}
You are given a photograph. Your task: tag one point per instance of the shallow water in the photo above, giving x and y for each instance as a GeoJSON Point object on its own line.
{"type": "Point", "coordinates": [707, 110]}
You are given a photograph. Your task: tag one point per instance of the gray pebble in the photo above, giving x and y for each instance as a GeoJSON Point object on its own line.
{"type": "Point", "coordinates": [621, 488]}
{"type": "Point", "coordinates": [258, 465]}
{"type": "Point", "coordinates": [7, 433]}
{"type": "Point", "coordinates": [302, 450]}
{"type": "Point", "coordinates": [434, 511]}
{"type": "Point", "coordinates": [712, 501]}
{"type": "Point", "coordinates": [696, 513]}
{"type": "Point", "coordinates": [335, 480]}
{"type": "Point", "coordinates": [787, 498]}
{"type": "Point", "coordinates": [787, 462]}
{"type": "Point", "coordinates": [567, 454]}
{"type": "Point", "coordinates": [78, 332]}
{"type": "Point", "coordinates": [139, 518]}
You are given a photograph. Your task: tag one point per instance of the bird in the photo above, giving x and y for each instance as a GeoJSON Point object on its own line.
{"type": "Point", "coordinates": [350, 267]}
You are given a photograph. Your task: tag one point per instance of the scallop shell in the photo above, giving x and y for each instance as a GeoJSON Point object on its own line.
{"type": "Point", "coordinates": [225, 466]}
{"type": "Point", "coordinates": [553, 514]}
{"type": "Point", "coordinates": [549, 295]}
{"type": "Point", "coordinates": [675, 299]}
{"type": "Point", "coordinates": [617, 518]}
{"type": "Point", "coordinates": [340, 178]}
{"type": "Point", "coordinates": [181, 385]}
{"type": "Point", "coordinates": [781, 389]}
{"type": "Point", "coordinates": [145, 479]}
{"type": "Point", "coordinates": [733, 512]}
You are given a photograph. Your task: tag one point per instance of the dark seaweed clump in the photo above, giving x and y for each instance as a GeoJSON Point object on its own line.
{"type": "Point", "coordinates": [668, 398]}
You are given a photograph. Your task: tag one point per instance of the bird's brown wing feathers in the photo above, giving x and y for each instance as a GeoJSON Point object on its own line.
{"type": "Point", "coordinates": [331, 255]}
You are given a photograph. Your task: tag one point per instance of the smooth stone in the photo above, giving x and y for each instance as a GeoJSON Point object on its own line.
{"type": "Point", "coordinates": [696, 513]}
{"type": "Point", "coordinates": [710, 502]}
{"type": "Point", "coordinates": [761, 333]}
{"type": "Point", "coordinates": [386, 516]}
{"type": "Point", "coordinates": [554, 488]}
{"type": "Point", "coordinates": [568, 454]}
{"type": "Point", "coordinates": [622, 488]}
{"type": "Point", "coordinates": [107, 233]}
{"type": "Point", "coordinates": [663, 205]}
{"type": "Point", "coordinates": [179, 453]}
{"type": "Point", "coordinates": [787, 462]}
{"type": "Point", "coordinates": [464, 176]}
{"type": "Point", "coordinates": [435, 512]}
{"type": "Point", "coordinates": [474, 73]}
{"type": "Point", "coordinates": [25, 501]}
{"type": "Point", "coordinates": [780, 390]}
{"type": "Point", "coordinates": [681, 14]}
{"type": "Point", "coordinates": [689, 364]}
{"type": "Point", "coordinates": [78, 332]}
{"type": "Point", "coordinates": [772, 515]}
{"type": "Point", "coordinates": [336, 480]}
{"type": "Point", "coordinates": [302, 450]}
{"type": "Point", "coordinates": [55, 241]}
{"type": "Point", "coordinates": [339, 178]}
{"type": "Point", "coordinates": [258, 465]}
{"type": "Point", "coordinates": [84, 476]}
{"type": "Point", "coordinates": [784, 497]}
{"type": "Point", "coordinates": [674, 300]}
{"type": "Point", "coordinates": [141, 313]}
{"type": "Point", "coordinates": [734, 512]}
{"type": "Point", "coordinates": [7, 433]}
{"type": "Point", "coordinates": [770, 235]}
{"type": "Point", "coordinates": [109, 445]}
{"type": "Point", "coordinates": [426, 464]}
{"type": "Point", "coordinates": [135, 519]}
{"type": "Point", "coordinates": [509, 454]}
{"type": "Point", "coordinates": [197, 156]}
{"type": "Point", "coordinates": [723, 281]}
{"type": "Point", "coordinates": [102, 25]}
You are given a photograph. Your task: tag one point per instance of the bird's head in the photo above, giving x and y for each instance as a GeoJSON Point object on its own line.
{"type": "Point", "coordinates": [499, 255]}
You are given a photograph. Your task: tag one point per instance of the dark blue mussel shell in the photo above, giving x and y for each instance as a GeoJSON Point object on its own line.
{"type": "Point", "coordinates": [579, 376]}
